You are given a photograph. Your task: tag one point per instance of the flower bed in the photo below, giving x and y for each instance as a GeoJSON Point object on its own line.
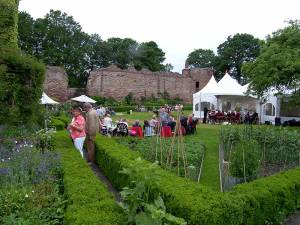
{"type": "Point", "coordinates": [30, 180]}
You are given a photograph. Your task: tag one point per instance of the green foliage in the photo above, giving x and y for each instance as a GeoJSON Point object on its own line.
{"type": "Point", "coordinates": [101, 100]}
{"type": "Point", "coordinates": [276, 146]}
{"type": "Point", "coordinates": [245, 160]}
{"type": "Point", "coordinates": [128, 99]}
{"type": "Point", "coordinates": [149, 56]}
{"type": "Point", "coordinates": [43, 140]}
{"type": "Point", "coordinates": [122, 51]}
{"type": "Point", "coordinates": [21, 79]}
{"type": "Point", "coordinates": [141, 207]}
{"type": "Point", "coordinates": [58, 124]}
{"type": "Point", "coordinates": [30, 183]}
{"type": "Point", "coordinates": [259, 202]}
{"type": "Point", "coordinates": [235, 52]}
{"type": "Point", "coordinates": [201, 58]}
{"type": "Point", "coordinates": [278, 65]}
{"type": "Point", "coordinates": [8, 24]}
{"type": "Point", "coordinates": [89, 202]}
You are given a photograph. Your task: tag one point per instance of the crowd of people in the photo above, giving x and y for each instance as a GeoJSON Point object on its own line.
{"type": "Point", "coordinates": [230, 117]}
{"type": "Point", "coordinates": [88, 122]}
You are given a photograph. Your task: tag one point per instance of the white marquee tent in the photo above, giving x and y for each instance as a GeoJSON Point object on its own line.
{"type": "Point", "coordinates": [229, 95]}
{"type": "Point", "coordinates": [225, 95]}
{"type": "Point", "coordinates": [83, 98]}
{"type": "Point", "coordinates": [46, 100]}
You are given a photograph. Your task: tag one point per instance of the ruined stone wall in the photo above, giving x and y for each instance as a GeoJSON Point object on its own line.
{"type": "Point", "coordinates": [56, 83]}
{"type": "Point", "coordinates": [117, 83]}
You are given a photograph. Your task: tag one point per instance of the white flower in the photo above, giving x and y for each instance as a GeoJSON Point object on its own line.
{"type": "Point", "coordinates": [16, 142]}
{"type": "Point", "coordinates": [32, 191]}
{"type": "Point", "coordinates": [26, 196]}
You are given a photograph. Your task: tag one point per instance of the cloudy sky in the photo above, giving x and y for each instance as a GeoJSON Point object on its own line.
{"type": "Point", "coordinates": [177, 26]}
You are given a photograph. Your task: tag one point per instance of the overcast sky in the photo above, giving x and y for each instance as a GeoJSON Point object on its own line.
{"type": "Point", "coordinates": [177, 26]}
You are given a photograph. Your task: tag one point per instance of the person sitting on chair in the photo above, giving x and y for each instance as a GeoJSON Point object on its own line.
{"type": "Point", "coordinates": [121, 129]}
{"type": "Point", "coordinates": [148, 130]}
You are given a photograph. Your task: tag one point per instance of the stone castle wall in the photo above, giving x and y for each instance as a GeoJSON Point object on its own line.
{"type": "Point", "coordinates": [56, 83]}
{"type": "Point", "coordinates": [117, 83]}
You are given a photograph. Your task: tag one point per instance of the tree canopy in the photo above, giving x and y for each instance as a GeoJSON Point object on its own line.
{"type": "Point", "coordinates": [201, 58]}
{"type": "Point", "coordinates": [234, 52]}
{"type": "Point", "coordinates": [58, 40]}
{"type": "Point", "coordinates": [278, 66]}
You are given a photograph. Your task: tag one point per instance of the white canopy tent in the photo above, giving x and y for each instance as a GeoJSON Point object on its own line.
{"type": "Point", "coordinates": [225, 95]}
{"type": "Point", "coordinates": [46, 100]}
{"type": "Point", "coordinates": [83, 98]}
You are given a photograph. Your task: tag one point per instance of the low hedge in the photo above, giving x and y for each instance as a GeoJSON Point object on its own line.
{"type": "Point", "coordinates": [66, 120]}
{"type": "Point", "coordinates": [89, 202]}
{"type": "Point", "coordinates": [264, 201]}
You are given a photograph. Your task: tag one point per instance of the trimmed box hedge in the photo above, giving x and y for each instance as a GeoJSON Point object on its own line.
{"type": "Point", "coordinates": [89, 201]}
{"type": "Point", "coordinates": [264, 201]}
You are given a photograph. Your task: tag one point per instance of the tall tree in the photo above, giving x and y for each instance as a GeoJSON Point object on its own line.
{"type": "Point", "coordinates": [201, 58]}
{"type": "Point", "coordinates": [26, 33]}
{"type": "Point", "coordinates": [57, 40]}
{"type": "Point", "coordinates": [122, 51]}
{"type": "Point", "coordinates": [234, 52]}
{"type": "Point", "coordinates": [278, 66]}
{"type": "Point", "coordinates": [149, 56]}
{"type": "Point", "coordinates": [98, 54]}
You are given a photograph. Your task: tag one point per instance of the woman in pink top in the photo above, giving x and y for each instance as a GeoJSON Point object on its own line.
{"type": "Point", "coordinates": [77, 129]}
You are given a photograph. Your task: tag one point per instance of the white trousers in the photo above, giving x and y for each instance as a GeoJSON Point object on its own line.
{"type": "Point", "coordinates": [78, 142]}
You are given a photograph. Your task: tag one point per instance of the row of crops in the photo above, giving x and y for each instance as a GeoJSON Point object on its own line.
{"type": "Point", "coordinates": [181, 155]}
{"type": "Point", "coordinates": [249, 152]}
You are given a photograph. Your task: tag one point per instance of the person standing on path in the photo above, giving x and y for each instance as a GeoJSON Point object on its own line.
{"type": "Point", "coordinates": [77, 130]}
{"type": "Point", "coordinates": [91, 129]}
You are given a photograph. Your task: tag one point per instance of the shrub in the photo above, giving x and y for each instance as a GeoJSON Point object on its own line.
{"type": "Point", "coordinates": [8, 23]}
{"type": "Point", "coordinates": [58, 124]}
{"type": "Point", "coordinates": [263, 201]}
{"type": "Point", "coordinates": [21, 79]}
{"type": "Point", "coordinates": [89, 202]}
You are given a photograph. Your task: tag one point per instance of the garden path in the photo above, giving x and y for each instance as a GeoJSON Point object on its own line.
{"type": "Point", "coordinates": [293, 219]}
{"type": "Point", "coordinates": [97, 170]}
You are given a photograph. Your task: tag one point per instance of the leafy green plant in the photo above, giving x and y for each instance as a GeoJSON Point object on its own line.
{"type": "Point", "coordinates": [245, 160]}
{"type": "Point", "coordinates": [142, 207]}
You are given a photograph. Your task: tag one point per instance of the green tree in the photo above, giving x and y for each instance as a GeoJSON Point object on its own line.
{"type": "Point", "coordinates": [149, 56]}
{"type": "Point", "coordinates": [122, 51]}
{"type": "Point", "coordinates": [234, 52]}
{"type": "Point", "coordinates": [201, 58]}
{"type": "Point", "coordinates": [98, 54]}
{"type": "Point", "coordinates": [168, 67]}
{"type": "Point", "coordinates": [57, 40]}
{"type": "Point", "coordinates": [278, 66]}
{"type": "Point", "coordinates": [8, 23]}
